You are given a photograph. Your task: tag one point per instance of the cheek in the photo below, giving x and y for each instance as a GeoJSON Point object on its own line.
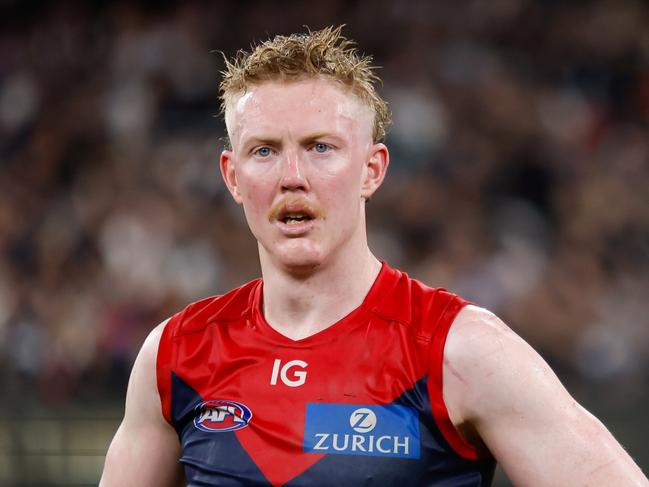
{"type": "Point", "coordinates": [256, 191]}
{"type": "Point", "coordinates": [342, 191]}
{"type": "Point", "coordinates": [350, 180]}
{"type": "Point", "coordinates": [344, 172]}
{"type": "Point", "coordinates": [253, 192]}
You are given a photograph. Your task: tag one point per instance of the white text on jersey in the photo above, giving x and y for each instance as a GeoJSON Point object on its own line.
{"type": "Point", "coordinates": [297, 378]}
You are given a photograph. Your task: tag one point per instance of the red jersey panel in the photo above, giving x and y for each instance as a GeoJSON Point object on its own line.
{"type": "Point", "coordinates": [359, 403]}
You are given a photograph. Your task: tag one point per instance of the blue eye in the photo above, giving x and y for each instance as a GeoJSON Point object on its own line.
{"type": "Point", "coordinates": [321, 148]}
{"type": "Point", "coordinates": [263, 151]}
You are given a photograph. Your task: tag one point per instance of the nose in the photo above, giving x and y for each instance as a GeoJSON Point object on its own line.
{"type": "Point", "coordinates": [293, 173]}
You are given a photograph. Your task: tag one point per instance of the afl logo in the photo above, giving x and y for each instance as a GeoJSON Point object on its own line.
{"type": "Point", "coordinates": [220, 415]}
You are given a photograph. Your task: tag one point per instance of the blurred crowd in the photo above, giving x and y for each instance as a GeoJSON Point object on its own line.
{"type": "Point", "coordinates": [519, 172]}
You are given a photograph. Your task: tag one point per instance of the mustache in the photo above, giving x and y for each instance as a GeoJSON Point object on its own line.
{"type": "Point", "coordinates": [290, 203]}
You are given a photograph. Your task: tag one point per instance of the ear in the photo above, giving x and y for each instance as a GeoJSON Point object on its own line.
{"type": "Point", "coordinates": [229, 175]}
{"type": "Point", "coordinates": [374, 170]}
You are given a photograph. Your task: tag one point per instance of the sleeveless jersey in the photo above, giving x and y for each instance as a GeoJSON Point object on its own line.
{"type": "Point", "coordinates": [359, 403]}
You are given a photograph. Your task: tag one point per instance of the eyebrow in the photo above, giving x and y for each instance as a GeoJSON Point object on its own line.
{"type": "Point", "coordinates": [318, 135]}
{"type": "Point", "coordinates": [253, 141]}
{"type": "Point", "coordinates": [262, 140]}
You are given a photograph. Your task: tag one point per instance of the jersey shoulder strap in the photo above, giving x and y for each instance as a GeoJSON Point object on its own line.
{"type": "Point", "coordinates": [429, 313]}
{"type": "Point", "coordinates": [191, 320]}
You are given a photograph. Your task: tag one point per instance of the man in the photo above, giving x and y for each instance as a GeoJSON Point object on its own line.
{"type": "Point", "coordinates": [336, 369]}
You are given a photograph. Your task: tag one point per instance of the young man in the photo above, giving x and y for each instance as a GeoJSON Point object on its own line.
{"type": "Point", "coordinates": [336, 369]}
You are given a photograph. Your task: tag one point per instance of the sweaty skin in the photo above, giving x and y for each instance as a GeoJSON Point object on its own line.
{"type": "Point", "coordinates": [302, 165]}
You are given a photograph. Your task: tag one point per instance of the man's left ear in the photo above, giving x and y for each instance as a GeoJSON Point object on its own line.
{"type": "Point", "coordinates": [374, 170]}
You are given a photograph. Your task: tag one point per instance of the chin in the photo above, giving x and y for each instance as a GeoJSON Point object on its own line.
{"type": "Point", "coordinates": [299, 259]}
{"type": "Point", "coordinates": [299, 263]}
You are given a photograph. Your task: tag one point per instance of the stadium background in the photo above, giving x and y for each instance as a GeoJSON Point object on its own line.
{"type": "Point", "coordinates": [519, 178]}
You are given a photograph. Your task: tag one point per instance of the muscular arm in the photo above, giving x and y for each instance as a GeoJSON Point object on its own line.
{"type": "Point", "coordinates": [145, 449]}
{"type": "Point", "coordinates": [497, 386]}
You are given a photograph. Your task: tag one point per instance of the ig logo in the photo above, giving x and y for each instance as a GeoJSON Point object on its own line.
{"type": "Point", "coordinates": [297, 378]}
{"type": "Point", "coordinates": [362, 420]}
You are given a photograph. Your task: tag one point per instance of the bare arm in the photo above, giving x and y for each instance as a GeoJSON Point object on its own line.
{"type": "Point", "coordinates": [145, 449]}
{"type": "Point", "coordinates": [496, 385]}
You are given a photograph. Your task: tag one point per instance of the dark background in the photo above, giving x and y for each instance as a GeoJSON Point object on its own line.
{"type": "Point", "coordinates": [519, 178]}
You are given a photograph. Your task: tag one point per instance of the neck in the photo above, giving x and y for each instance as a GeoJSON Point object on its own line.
{"type": "Point", "coordinates": [300, 305]}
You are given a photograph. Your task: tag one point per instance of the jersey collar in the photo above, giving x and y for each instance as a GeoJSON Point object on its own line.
{"type": "Point", "coordinates": [374, 303]}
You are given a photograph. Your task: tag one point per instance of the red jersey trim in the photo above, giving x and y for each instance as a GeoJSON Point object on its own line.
{"type": "Point", "coordinates": [436, 383]}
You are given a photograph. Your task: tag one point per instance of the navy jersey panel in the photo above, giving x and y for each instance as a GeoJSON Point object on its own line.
{"type": "Point", "coordinates": [208, 462]}
{"type": "Point", "coordinates": [357, 404]}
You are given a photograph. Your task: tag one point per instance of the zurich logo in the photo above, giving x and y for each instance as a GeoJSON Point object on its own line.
{"type": "Point", "coordinates": [387, 430]}
{"type": "Point", "coordinates": [362, 420]}
{"type": "Point", "coordinates": [221, 415]}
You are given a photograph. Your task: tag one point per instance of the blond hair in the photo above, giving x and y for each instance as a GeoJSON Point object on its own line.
{"type": "Point", "coordinates": [324, 53]}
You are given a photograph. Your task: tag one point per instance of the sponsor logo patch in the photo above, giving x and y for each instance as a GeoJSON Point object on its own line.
{"type": "Point", "coordinates": [221, 415]}
{"type": "Point", "coordinates": [297, 378]}
{"type": "Point", "coordinates": [344, 429]}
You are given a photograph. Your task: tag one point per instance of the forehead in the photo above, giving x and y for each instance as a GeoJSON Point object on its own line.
{"type": "Point", "coordinates": [306, 106]}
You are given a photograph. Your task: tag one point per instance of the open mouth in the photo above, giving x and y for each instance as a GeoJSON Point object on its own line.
{"type": "Point", "coordinates": [294, 218]}
{"type": "Point", "coordinates": [295, 210]}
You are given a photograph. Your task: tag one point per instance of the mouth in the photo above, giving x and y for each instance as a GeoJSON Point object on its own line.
{"type": "Point", "coordinates": [295, 218]}
{"type": "Point", "coordinates": [295, 211]}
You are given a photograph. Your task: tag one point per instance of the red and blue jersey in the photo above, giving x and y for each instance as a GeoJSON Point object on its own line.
{"type": "Point", "coordinates": [359, 403]}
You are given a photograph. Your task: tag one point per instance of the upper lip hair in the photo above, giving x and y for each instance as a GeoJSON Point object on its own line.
{"type": "Point", "coordinates": [295, 209]}
{"type": "Point", "coordinates": [294, 206]}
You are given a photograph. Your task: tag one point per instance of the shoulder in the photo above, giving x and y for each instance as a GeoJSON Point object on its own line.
{"type": "Point", "coordinates": [492, 377]}
{"type": "Point", "coordinates": [226, 307]}
{"type": "Point", "coordinates": [500, 392]}
{"type": "Point", "coordinates": [130, 460]}
{"type": "Point", "coordinates": [421, 307]}
{"type": "Point", "coordinates": [478, 335]}
{"type": "Point", "coordinates": [488, 368]}
{"type": "Point", "coordinates": [147, 356]}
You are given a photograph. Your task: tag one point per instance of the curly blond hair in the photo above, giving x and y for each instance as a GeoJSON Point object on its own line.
{"type": "Point", "coordinates": [324, 53]}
